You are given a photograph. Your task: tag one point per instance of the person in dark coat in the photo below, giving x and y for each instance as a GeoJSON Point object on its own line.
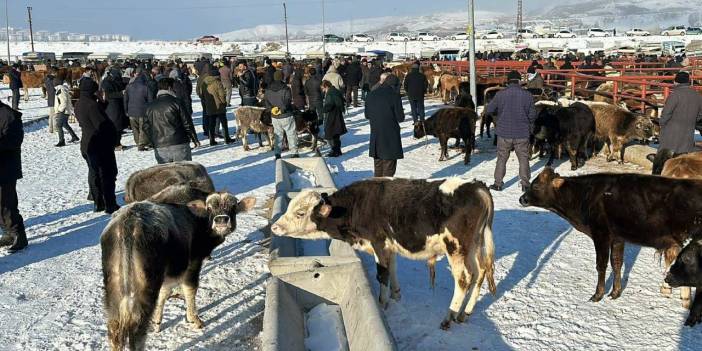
{"type": "Point", "coordinates": [681, 112]}
{"type": "Point", "coordinates": [11, 137]}
{"type": "Point", "coordinates": [416, 86]}
{"type": "Point", "coordinates": [136, 98]}
{"type": "Point", "coordinates": [354, 74]}
{"type": "Point", "coordinates": [15, 85]}
{"type": "Point", "coordinates": [113, 87]}
{"type": "Point", "coordinates": [334, 108]}
{"type": "Point", "coordinates": [384, 111]}
{"type": "Point", "coordinates": [313, 92]}
{"type": "Point", "coordinates": [50, 98]}
{"type": "Point", "coordinates": [298, 90]}
{"type": "Point", "coordinates": [516, 114]}
{"type": "Point", "coordinates": [247, 84]}
{"type": "Point", "coordinates": [268, 75]}
{"type": "Point", "coordinates": [374, 74]}
{"type": "Point", "coordinates": [97, 146]}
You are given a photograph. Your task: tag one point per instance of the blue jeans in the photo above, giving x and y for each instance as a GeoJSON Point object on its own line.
{"type": "Point", "coordinates": [173, 153]}
{"type": "Point", "coordinates": [417, 110]}
{"type": "Point", "coordinates": [61, 123]}
{"type": "Point", "coordinates": [286, 126]}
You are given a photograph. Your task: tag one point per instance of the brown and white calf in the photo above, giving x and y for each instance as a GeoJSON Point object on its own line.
{"type": "Point", "coordinates": [256, 119]}
{"type": "Point", "coordinates": [148, 249]}
{"type": "Point", "coordinates": [419, 219]}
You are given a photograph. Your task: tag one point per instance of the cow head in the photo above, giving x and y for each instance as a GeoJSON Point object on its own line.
{"type": "Point", "coordinates": [644, 127]}
{"type": "Point", "coordinates": [303, 216]}
{"type": "Point", "coordinates": [542, 190]}
{"type": "Point", "coordinates": [420, 130]}
{"type": "Point", "coordinates": [687, 269]}
{"type": "Point", "coordinates": [221, 209]}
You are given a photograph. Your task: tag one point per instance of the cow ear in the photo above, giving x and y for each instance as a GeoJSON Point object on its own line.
{"type": "Point", "coordinates": [325, 210]}
{"type": "Point", "coordinates": [557, 183]}
{"type": "Point", "coordinates": [246, 204]}
{"type": "Point", "coordinates": [198, 208]}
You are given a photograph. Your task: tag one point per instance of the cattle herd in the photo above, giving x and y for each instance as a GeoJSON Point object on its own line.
{"type": "Point", "coordinates": [175, 218]}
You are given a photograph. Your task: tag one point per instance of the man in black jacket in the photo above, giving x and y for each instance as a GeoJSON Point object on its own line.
{"type": "Point", "coordinates": [268, 75]}
{"type": "Point", "coordinates": [353, 80]}
{"type": "Point", "coordinates": [313, 92]}
{"type": "Point", "coordinates": [279, 101]}
{"type": "Point", "coordinates": [416, 86]}
{"type": "Point", "coordinates": [15, 85]}
{"type": "Point", "coordinates": [247, 84]}
{"type": "Point", "coordinates": [168, 125]}
{"type": "Point", "coordinates": [11, 136]}
{"type": "Point", "coordinates": [97, 147]}
{"type": "Point", "coordinates": [374, 74]}
{"type": "Point", "coordinates": [136, 98]}
{"type": "Point", "coordinates": [384, 110]}
{"type": "Point", "coordinates": [50, 98]}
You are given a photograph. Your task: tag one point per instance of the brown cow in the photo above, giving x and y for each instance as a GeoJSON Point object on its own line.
{"type": "Point", "coordinates": [616, 127]}
{"type": "Point", "coordinates": [33, 79]}
{"type": "Point", "coordinates": [612, 210]}
{"type": "Point", "coordinates": [448, 84]}
{"type": "Point", "coordinates": [685, 166]}
{"type": "Point", "coordinates": [253, 118]}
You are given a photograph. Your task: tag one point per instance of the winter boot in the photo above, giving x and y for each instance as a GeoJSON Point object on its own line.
{"type": "Point", "coordinates": [19, 243]}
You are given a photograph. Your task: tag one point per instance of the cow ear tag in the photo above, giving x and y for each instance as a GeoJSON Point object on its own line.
{"type": "Point", "coordinates": [557, 183]}
{"type": "Point", "coordinates": [325, 211]}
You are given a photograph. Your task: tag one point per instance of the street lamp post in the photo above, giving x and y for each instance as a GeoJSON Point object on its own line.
{"type": "Point", "coordinates": [7, 31]}
{"type": "Point", "coordinates": [287, 41]}
{"type": "Point", "coordinates": [324, 43]}
{"type": "Point", "coordinates": [471, 55]}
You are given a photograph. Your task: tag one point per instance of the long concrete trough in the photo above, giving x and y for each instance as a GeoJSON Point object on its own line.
{"type": "Point", "coordinates": [307, 274]}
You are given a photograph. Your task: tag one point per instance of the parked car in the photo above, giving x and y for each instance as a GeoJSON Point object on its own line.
{"type": "Point", "coordinates": [424, 36]}
{"type": "Point", "coordinates": [564, 33]}
{"type": "Point", "coordinates": [526, 34]}
{"type": "Point", "coordinates": [674, 30]}
{"type": "Point", "coordinates": [597, 32]}
{"type": "Point", "coordinates": [331, 38]}
{"type": "Point", "coordinates": [694, 31]}
{"type": "Point", "coordinates": [460, 36]}
{"type": "Point", "coordinates": [360, 38]}
{"type": "Point", "coordinates": [493, 34]}
{"type": "Point", "coordinates": [637, 32]}
{"type": "Point", "coordinates": [394, 36]}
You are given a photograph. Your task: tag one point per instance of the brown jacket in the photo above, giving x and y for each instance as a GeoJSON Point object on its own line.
{"type": "Point", "coordinates": [213, 96]}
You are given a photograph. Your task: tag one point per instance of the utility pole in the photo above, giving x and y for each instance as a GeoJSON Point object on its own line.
{"type": "Point", "coordinates": [7, 31]}
{"type": "Point", "coordinates": [324, 43]}
{"type": "Point", "coordinates": [520, 23]}
{"type": "Point", "coordinates": [287, 42]}
{"type": "Point", "coordinates": [471, 52]}
{"type": "Point", "coordinates": [31, 33]}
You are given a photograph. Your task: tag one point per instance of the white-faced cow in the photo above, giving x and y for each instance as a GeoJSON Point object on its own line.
{"type": "Point", "coordinates": [148, 249]}
{"type": "Point", "coordinates": [418, 219]}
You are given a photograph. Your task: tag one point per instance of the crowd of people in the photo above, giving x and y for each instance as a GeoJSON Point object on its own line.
{"type": "Point", "coordinates": [153, 99]}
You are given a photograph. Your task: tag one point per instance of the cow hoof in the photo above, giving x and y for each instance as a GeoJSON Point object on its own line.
{"type": "Point", "coordinates": [395, 295]}
{"type": "Point", "coordinates": [197, 323]}
{"type": "Point", "coordinates": [693, 319]}
{"type": "Point", "coordinates": [666, 291]}
{"type": "Point", "coordinates": [686, 304]}
{"type": "Point", "coordinates": [573, 168]}
{"type": "Point", "coordinates": [615, 294]}
{"type": "Point", "coordinates": [462, 317]}
{"type": "Point", "coordinates": [155, 327]}
{"type": "Point", "coordinates": [246, 148]}
{"type": "Point", "coordinates": [597, 297]}
{"type": "Point", "coordinates": [445, 325]}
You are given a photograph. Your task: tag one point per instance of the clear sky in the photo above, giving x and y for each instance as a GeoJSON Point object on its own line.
{"type": "Point", "coordinates": [177, 19]}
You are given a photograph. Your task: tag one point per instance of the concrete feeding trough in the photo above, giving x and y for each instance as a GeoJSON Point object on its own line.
{"type": "Point", "coordinates": [308, 273]}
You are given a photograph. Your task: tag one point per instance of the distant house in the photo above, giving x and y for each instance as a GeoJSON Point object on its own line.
{"type": "Point", "coordinates": [209, 39]}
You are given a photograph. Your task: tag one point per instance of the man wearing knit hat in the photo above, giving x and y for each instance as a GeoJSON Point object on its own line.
{"type": "Point", "coordinates": [515, 120]}
{"type": "Point", "coordinates": [278, 99]}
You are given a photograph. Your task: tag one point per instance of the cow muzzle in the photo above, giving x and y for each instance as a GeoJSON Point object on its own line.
{"type": "Point", "coordinates": [524, 200]}
{"type": "Point", "coordinates": [221, 224]}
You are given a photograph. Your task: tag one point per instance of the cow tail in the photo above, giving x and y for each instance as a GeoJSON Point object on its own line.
{"type": "Point", "coordinates": [488, 254]}
{"type": "Point", "coordinates": [133, 308]}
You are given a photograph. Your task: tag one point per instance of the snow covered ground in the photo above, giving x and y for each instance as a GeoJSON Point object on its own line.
{"type": "Point", "coordinates": [51, 293]}
{"type": "Point", "coordinates": [33, 110]}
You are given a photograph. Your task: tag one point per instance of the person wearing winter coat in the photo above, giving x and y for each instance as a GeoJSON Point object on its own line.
{"type": "Point", "coordinates": [298, 90]}
{"type": "Point", "coordinates": [278, 98]}
{"type": "Point", "coordinates": [169, 126]}
{"type": "Point", "coordinates": [287, 70]}
{"type": "Point", "coordinates": [181, 91]}
{"type": "Point", "coordinates": [15, 85]}
{"type": "Point", "coordinates": [354, 75]}
{"type": "Point", "coordinates": [50, 94]}
{"type": "Point", "coordinates": [247, 84]}
{"type": "Point", "coordinates": [334, 108]}
{"type": "Point", "coordinates": [97, 147]}
{"type": "Point", "coordinates": [63, 108]}
{"type": "Point", "coordinates": [682, 110]}
{"type": "Point", "coordinates": [384, 111]}
{"type": "Point", "coordinates": [313, 92]}
{"type": "Point", "coordinates": [113, 87]}
{"type": "Point", "coordinates": [416, 86]}
{"type": "Point", "coordinates": [268, 75]}
{"type": "Point", "coordinates": [334, 78]}
{"type": "Point", "coordinates": [11, 137]}
{"type": "Point", "coordinates": [200, 90]}
{"type": "Point", "coordinates": [374, 74]}
{"type": "Point", "coordinates": [365, 87]}
{"type": "Point", "coordinates": [215, 100]}
{"type": "Point", "coordinates": [136, 98]}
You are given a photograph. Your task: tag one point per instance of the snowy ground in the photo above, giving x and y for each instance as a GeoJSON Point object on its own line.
{"type": "Point", "coordinates": [50, 294]}
{"type": "Point", "coordinates": [32, 110]}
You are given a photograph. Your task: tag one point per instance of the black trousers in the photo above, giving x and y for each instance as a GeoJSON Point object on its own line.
{"type": "Point", "coordinates": [335, 143]}
{"type": "Point", "coordinates": [15, 98]}
{"type": "Point", "coordinates": [10, 219]}
{"type": "Point", "coordinates": [384, 168]}
{"type": "Point", "coordinates": [102, 175]}
{"type": "Point", "coordinates": [213, 120]}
